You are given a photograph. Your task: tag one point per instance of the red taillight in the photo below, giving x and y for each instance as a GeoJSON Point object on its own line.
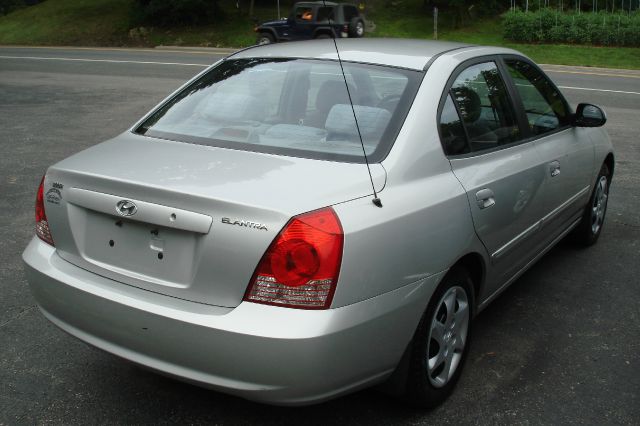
{"type": "Point", "coordinates": [42, 226]}
{"type": "Point", "coordinates": [300, 268]}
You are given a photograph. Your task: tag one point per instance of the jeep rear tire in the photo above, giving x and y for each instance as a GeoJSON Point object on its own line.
{"type": "Point", "coordinates": [356, 27]}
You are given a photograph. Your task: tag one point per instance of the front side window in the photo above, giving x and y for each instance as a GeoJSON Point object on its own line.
{"type": "Point", "coordinates": [545, 107]}
{"type": "Point", "coordinates": [291, 107]}
{"type": "Point", "coordinates": [482, 100]}
{"type": "Point", "coordinates": [304, 14]}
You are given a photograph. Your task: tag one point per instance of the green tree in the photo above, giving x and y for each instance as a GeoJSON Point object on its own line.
{"type": "Point", "coordinates": [172, 12]}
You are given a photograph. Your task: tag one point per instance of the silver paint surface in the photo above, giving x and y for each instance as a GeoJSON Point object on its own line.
{"type": "Point", "coordinates": [146, 309]}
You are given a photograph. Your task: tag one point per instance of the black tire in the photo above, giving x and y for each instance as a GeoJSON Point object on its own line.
{"type": "Point", "coordinates": [265, 38]}
{"type": "Point", "coordinates": [590, 227]}
{"type": "Point", "coordinates": [322, 36]}
{"type": "Point", "coordinates": [356, 27]}
{"type": "Point", "coordinates": [426, 388]}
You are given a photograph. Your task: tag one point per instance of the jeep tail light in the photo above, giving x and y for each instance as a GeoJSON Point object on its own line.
{"type": "Point", "coordinates": [42, 226]}
{"type": "Point", "coordinates": [300, 268]}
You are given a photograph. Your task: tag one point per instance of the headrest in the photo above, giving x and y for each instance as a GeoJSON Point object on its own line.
{"type": "Point", "coordinates": [372, 121]}
{"type": "Point", "coordinates": [332, 92]}
{"type": "Point", "coordinates": [469, 103]}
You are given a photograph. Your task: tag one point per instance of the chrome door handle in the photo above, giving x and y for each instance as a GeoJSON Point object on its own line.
{"type": "Point", "coordinates": [485, 198]}
{"type": "Point", "coordinates": [554, 168]}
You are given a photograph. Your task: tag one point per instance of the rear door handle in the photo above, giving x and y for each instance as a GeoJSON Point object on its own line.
{"type": "Point", "coordinates": [485, 198]}
{"type": "Point", "coordinates": [554, 168]}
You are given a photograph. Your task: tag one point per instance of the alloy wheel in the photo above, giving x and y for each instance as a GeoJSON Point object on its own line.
{"type": "Point", "coordinates": [599, 206]}
{"type": "Point", "coordinates": [447, 336]}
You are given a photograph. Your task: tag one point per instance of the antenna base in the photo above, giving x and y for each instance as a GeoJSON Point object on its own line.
{"type": "Point", "coordinates": [377, 202]}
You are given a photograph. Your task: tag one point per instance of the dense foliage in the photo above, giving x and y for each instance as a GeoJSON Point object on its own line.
{"type": "Point", "coordinates": [177, 12]}
{"type": "Point", "coordinates": [550, 26]}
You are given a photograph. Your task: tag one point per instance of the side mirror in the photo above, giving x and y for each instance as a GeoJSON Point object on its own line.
{"type": "Point", "coordinates": [588, 115]}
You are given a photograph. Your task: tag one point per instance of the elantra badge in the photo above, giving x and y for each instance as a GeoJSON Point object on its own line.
{"type": "Point", "coordinates": [245, 223]}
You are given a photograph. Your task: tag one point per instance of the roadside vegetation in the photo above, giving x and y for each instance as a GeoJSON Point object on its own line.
{"type": "Point", "coordinates": [552, 26]}
{"type": "Point", "coordinates": [229, 23]}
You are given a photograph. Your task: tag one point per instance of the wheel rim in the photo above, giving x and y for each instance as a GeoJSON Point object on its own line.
{"type": "Point", "coordinates": [447, 336]}
{"type": "Point", "coordinates": [359, 29]}
{"type": "Point", "coordinates": [599, 206]}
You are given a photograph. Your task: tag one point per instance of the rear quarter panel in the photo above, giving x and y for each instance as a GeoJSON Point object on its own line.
{"type": "Point", "coordinates": [425, 223]}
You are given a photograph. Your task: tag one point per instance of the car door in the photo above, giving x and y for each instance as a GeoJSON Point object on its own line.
{"type": "Point", "coordinates": [567, 151]}
{"type": "Point", "coordinates": [501, 173]}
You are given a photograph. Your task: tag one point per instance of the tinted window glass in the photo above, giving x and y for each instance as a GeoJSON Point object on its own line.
{"type": "Point", "coordinates": [454, 140]}
{"type": "Point", "coordinates": [324, 14]}
{"type": "Point", "coordinates": [350, 12]}
{"type": "Point", "coordinates": [485, 108]}
{"type": "Point", "coordinates": [545, 107]}
{"type": "Point", "coordinates": [291, 107]}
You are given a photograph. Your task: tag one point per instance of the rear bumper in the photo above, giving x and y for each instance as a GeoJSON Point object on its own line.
{"type": "Point", "coordinates": [263, 353]}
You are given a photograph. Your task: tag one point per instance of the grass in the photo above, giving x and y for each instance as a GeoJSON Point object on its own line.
{"type": "Point", "coordinates": [69, 22]}
{"type": "Point", "coordinates": [112, 23]}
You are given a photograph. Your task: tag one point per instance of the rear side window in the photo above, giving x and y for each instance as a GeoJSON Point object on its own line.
{"type": "Point", "coordinates": [452, 133]}
{"type": "Point", "coordinates": [481, 98]}
{"type": "Point", "coordinates": [324, 14]}
{"type": "Point", "coordinates": [545, 107]}
{"type": "Point", "coordinates": [291, 107]}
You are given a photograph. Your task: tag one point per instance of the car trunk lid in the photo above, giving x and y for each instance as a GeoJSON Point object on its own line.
{"type": "Point", "coordinates": [188, 221]}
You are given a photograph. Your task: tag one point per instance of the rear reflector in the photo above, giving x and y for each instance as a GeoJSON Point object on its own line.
{"type": "Point", "coordinates": [42, 225]}
{"type": "Point", "coordinates": [300, 268]}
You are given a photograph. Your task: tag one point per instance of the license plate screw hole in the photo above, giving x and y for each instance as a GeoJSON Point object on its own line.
{"type": "Point", "coordinates": [172, 218]}
{"type": "Point", "coordinates": [160, 255]}
{"type": "Point", "coordinates": [111, 243]}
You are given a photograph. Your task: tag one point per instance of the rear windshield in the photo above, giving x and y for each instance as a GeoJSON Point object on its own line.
{"type": "Point", "coordinates": [290, 107]}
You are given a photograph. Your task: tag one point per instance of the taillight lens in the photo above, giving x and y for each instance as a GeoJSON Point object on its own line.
{"type": "Point", "coordinates": [42, 226]}
{"type": "Point", "coordinates": [300, 268]}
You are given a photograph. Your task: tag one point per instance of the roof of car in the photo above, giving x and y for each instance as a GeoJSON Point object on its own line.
{"type": "Point", "coordinates": [403, 53]}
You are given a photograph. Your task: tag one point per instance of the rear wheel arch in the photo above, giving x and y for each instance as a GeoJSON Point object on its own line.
{"type": "Point", "coordinates": [474, 264]}
{"type": "Point", "coordinates": [610, 162]}
{"type": "Point", "coordinates": [323, 32]}
{"type": "Point", "coordinates": [435, 359]}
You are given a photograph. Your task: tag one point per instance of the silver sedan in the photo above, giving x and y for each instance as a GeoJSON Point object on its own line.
{"type": "Point", "coordinates": [292, 225]}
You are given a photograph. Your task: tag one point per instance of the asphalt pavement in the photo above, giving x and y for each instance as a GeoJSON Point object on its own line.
{"type": "Point", "coordinates": [560, 346]}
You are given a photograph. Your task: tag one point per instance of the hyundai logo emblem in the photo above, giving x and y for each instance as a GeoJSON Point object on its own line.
{"type": "Point", "coordinates": [126, 208]}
